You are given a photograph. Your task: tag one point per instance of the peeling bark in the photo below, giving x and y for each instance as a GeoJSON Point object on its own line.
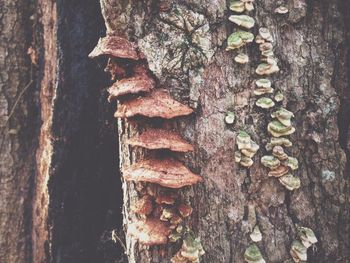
{"type": "Point", "coordinates": [184, 44]}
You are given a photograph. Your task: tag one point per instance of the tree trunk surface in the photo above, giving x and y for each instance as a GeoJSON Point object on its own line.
{"type": "Point", "coordinates": [18, 129]}
{"type": "Point", "coordinates": [184, 44]}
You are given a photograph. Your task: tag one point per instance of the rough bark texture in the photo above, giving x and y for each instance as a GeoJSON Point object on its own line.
{"type": "Point", "coordinates": [191, 62]}
{"type": "Point", "coordinates": [18, 131]}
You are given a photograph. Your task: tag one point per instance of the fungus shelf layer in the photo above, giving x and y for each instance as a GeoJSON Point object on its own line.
{"type": "Point", "coordinates": [167, 172]}
{"type": "Point", "coordinates": [161, 139]}
{"type": "Point", "coordinates": [132, 85]}
{"type": "Point", "coordinates": [156, 104]}
{"type": "Point", "coordinates": [116, 47]}
{"type": "Point", "coordinates": [150, 232]}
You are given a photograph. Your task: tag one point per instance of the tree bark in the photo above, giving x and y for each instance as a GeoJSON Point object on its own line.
{"type": "Point", "coordinates": [184, 44]}
{"type": "Point", "coordinates": [18, 129]}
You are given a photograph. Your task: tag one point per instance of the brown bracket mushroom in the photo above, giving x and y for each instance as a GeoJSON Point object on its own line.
{"type": "Point", "coordinates": [116, 47]}
{"type": "Point", "coordinates": [161, 139]}
{"type": "Point", "coordinates": [167, 172]}
{"type": "Point", "coordinates": [156, 104]}
{"type": "Point", "coordinates": [150, 232]}
{"type": "Point", "coordinates": [132, 85]}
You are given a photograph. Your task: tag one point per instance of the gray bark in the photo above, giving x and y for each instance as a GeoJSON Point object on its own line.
{"type": "Point", "coordinates": [311, 45]}
{"type": "Point", "coordinates": [18, 129]}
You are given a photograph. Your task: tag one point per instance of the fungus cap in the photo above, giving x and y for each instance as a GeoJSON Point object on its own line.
{"type": "Point", "coordinates": [166, 172]}
{"type": "Point", "coordinates": [242, 58]}
{"type": "Point", "coordinates": [279, 96]}
{"type": "Point", "coordinates": [249, 6]}
{"type": "Point", "coordinates": [283, 115]}
{"type": "Point", "coordinates": [165, 199]}
{"type": "Point", "coordinates": [237, 6]}
{"type": "Point", "coordinates": [185, 210]}
{"type": "Point", "coordinates": [290, 182]}
{"type": "Point", "coordinates": [265, 103]}
{"type": "Point", "coordinates": [277, 129]}
{"type": "Point", "coordinates": [292, 163]}
{"type": "Point", "coordinates": [143, 206]}
{"type": "Point", "coordinates": [263, 83]}
{"type": "Point", "coordinates": [279, 153]}
{"type": "Point", "coordinates": [270, 162]}
{"type": "Point", "coordinates": [266, 69]}
{"type": "Point", "coordinates": [116, 47]}
{"type": "Point", "coordinates": [279, 171]}
{"type": "Point", "coordinates": [281, 10]}
{"type": "Point", "coordinates": [298, 251]}
{"type": "Point", "coordinates": [265, 34]}
{"type": "Point", "coordinates": [243, 140]}
{"type": "Point", "coordinates": [132, 85]}
{"type": "Point", "coordinates": [242, 20]}
{"type": "Point", "coordinates": [256, 235]}
{"type": "Point", "coordinates": [307, 236]}
{"type": "Point", "coordinates": [278, 142]}
{"type": "Point", "coordinates": [230, 117]}
{"type": "Point", "coordinates": [253, 255]}
{"type": "Point", "coordinates": [156, 104]}
{"type": "Point", "coordinates": [161, 139]}
{"type": "Point", "coordinates": [238, 156]}
{"type": "Point", "coordinates": [246, 161]}
{"type": "Point", "coordinates": [251, 150]}
{"type": "Point", "coordinates": [263, 91]}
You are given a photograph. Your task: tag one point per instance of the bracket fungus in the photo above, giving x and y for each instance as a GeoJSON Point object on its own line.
{"type": "Point", "coordinates": [278, 142]}
{"type": "Point", "coordinates": [279, 171]}
{"type": "Point", "coordinates": [242, 20]}
{"type": "Point", "coordinates": [298, 251]}
{"type": "Point", "coordinates": [279, 96]}
{"type": "Point", "coordinates": [246, 161]}
{"type": "Point", "coordinates": [307, 236]}
{"type": "Point", "coordinates": [166, 172]}
{"type": "Point", "coordinates": [230, 117]}
{"type": "Point", "coordinates": [242, 58]}
{"type": "Point", "coordinates": [132, 85]}
{"type": "Point", "coordinates": [292, 163]}
{"type": "Point", "coordinates": [190, 252]}
{"type": "Point", "coordinates": [290, 182]}
{"type": "Point", "coordinates": [239, 39]}
{"type": "Point", "coordinates": [279, 153]}
{"type": "Point", "coordinates": [150, 232]}
{"type": "Point", "coordinates": [116, 47]}
{"type": "Point", "coordinates": [156, 104]}
{"type": "Point", "coordinates": [270, 162]}
{"type": "Point", "coordinates": [263, 83]}
{"type": "Point", "coordinates": [243, 140]}
{"type": "Point", "coordinates": [256, 235]}
{"type": "Point", "coordinates": [266, 69]}
{"type": "Point", "coordinates": [281, 10]}
{"type": "Point", "coordinates": [265, 103]}
{"type": "Point", "coordinates": [265, 34]}
{"type": "Point", "coordinates": [161, 139]}
{"type": "Point", "coordinates": [277, 129]}
{"type": "Point", "coordinates": [143, 206]}
{"type": "Point", "coordinates": [164, 199]}
{"type": "Point", "coordinates": [251, 150]}
{"type": "Point", "coordinates": [185, 210]}
{"type": "Point", "coordinates": [241, 6]}
{"type": "Point", "coordinates": [284, 116]}
{"type": "Point", "coordinates": [253, 255]}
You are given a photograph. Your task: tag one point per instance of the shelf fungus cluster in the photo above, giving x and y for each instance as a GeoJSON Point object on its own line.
{"type": "Point", "coordinates": [278, 162]}
{"type": "Point", "coordinates": [247, 148]}
{"type": "Point", "coordinates": [161, 216]}
{"type": "Point", "coordinates": [241, 37]}
{"type": "Point", "coordinates": [299, 246]}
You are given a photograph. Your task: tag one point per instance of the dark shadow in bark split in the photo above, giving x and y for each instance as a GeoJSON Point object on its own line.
{"type": "Point", "coordinates": [85, 190]}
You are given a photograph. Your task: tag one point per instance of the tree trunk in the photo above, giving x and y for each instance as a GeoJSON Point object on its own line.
{"type": "Point", "coordinates": [18, 119]}
{"type": "Point", "coordinates": [184, 45]}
